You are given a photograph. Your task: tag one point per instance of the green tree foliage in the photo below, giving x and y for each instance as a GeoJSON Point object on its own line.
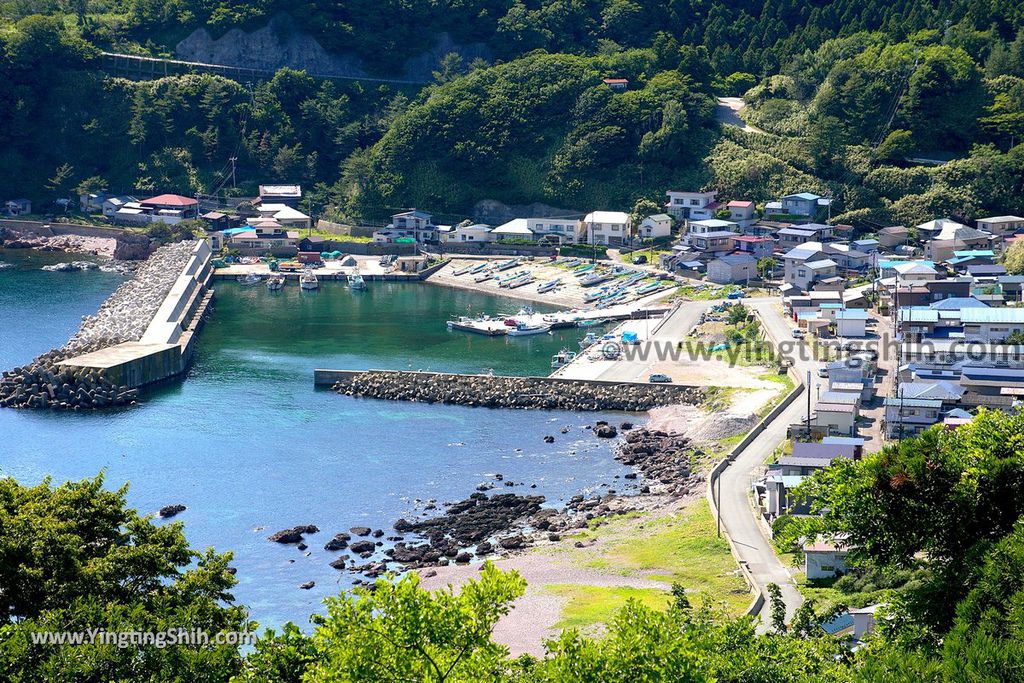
{"type": "Point", "coordinates": [74, 558]}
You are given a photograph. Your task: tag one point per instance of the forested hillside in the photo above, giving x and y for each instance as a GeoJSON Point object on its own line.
{"type": "Point", "coordinates": [845, 92]}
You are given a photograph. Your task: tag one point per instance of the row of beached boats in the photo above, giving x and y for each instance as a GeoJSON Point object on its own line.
{"type": "Point", "coordinates": [488, 270]}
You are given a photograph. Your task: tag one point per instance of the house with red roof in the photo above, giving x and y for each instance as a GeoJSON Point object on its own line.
{"type": "Point", "coordinates": [172, 205]}
{"type": "Point", "coordinates": [741, 212]}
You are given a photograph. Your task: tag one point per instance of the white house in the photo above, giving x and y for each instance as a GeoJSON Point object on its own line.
{"type": "Point", "coordinates": [607, 227]}
{"type": "Point", "coordinates": [991, 324]}
{"type": "Point", "coordinates": [691, 205]}
{"type": "Point", "coordinates": [653, 227]}
{"type": "Point", "coordinates": [565, 230]}
{"type": "Point", "coordinates": [824, 559]}
{"type": "Point", "coordinates": [415, 224]}
{"type": "Point", "coordinates": [285, 215]}
{"type": "Point", "coordinates": [851, 322]}
{"type": "Point", "coordinates": [837, 418]}
{"type": "Point", "coordinates": [795, 265]}
{"type": "Point", "coordinates": [1001, 225]}
{"type": "Point", "coordinates": [515, 229]}
{"type": "Point", "coordinates": [477, 232]}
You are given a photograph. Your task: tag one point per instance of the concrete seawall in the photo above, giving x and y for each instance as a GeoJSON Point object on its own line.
{"type": "Point", "coordinates": [143, 333]}
{"type": "Point", "coordinates": [495, 391]}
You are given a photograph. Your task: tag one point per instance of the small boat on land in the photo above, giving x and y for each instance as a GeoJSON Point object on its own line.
{"type": "Point", "coordinates": [525, 329]}
{"type": "Point", "coordinates": [521, 281]}
{"type": "Point", "coordinates": [249, 280]}
{"type": "Point", "coordinates": [505, 265]}
{"type": "Point", "coordinates": [584, 269]}
{"type": "Point", "coordinates": [464, 270]}
{"type": "Point", "coordinates": [356, 281]}
{"type": "Point", "coordinates": [595, 279]}
{"type": "Point", "coordinates": [562, 358]}
{"type": "Point", "coordinates": [484, 275]}
{"type": "Point", "coordinates": [650, 289]}
{"type": "Point", "coordinates": [309, 281]}
{"type": "Point", "coordinates": [479, 267]}
{"type": "Point", "coordinates": [275, 283]}
{"type": "Point", "coordinates": [549, 285]}
{"type": "Point", "coordinates": [503, 281]}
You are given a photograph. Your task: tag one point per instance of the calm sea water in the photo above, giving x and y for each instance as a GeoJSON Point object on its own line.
{"type": "Point", "coordinates": [249, 446]}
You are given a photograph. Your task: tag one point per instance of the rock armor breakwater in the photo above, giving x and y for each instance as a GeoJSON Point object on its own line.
{"type": "Point", "coordinates": [123, 317]}
{"type": "Point", "coordinates": [513, 392]}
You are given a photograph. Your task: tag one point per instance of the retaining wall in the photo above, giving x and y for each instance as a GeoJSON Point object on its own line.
{"type": "Point", "coordinates": [51, 229]}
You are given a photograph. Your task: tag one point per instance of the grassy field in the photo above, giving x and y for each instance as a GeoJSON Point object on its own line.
{"type": "Point", "coordinates": [679, 547]}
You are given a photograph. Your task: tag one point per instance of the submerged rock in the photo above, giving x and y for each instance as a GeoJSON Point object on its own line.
{"type": "Point", "coordinates": [168, 511]}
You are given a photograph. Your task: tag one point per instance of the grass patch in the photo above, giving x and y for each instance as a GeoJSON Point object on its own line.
{"type": "Point", "coordinates": [589, 605]}
{"type": "Point", "coordinates": [680, 547]}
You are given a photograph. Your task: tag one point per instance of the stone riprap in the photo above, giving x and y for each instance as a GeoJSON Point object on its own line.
{"type": "Point", "coordinates": [514, 392]}
{"type": "Point", "coordinates": [123, 317]}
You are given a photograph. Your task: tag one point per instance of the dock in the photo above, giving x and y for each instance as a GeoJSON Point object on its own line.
{"type": "Point", "coordinates": [165, 349]}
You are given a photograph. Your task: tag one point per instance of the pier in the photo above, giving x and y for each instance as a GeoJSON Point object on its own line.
{"type": "Point", "coordinates": [165, 348]}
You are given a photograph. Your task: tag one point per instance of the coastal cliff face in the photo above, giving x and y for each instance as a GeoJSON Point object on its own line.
{"type": "Point", "coordinates": [281, 44]}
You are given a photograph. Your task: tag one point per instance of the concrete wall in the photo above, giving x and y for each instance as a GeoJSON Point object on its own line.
{"type": "Point", "coordinates": [172, 316]}
{"type": "Point", "coordinates": [50, 229]}
{"type": "Point", "coordinates": [494, 249]}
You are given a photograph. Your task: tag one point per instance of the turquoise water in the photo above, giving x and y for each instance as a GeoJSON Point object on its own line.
{"type": "Point", "coordinates": [249, 446]}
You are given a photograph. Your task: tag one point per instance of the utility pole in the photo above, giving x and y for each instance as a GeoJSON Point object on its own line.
{"type": "Point", "coordinates": [233, 160]}
{"type": "Point", "coordinates": [808, 390]}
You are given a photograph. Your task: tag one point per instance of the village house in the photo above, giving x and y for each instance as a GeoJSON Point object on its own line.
{"type": "Point", "coordinates": [563, 230]}
{"type": "Point", "coordinates": [656, 226]}
{"type": "Point", "coordinates": [758, 247]}
{"type": "Point", "coordinates": [991, 324]}
{"type": "Point", "coordinates": [414, 225]}
{"type": "Point", "coordinates": [1001, 225]}
{"type": "Point", "coordinates": [802, 204]}
{"type": "Point", "coordinates": [716, 242]}
{"type": "Point", "coordinates": [17, 207]}
{"type": "Point", "coordinates": [607, 227]}
{"type": "Point", "coordinates": [741, 212]}
{"type": "Point", "coordinates": [287, 194]}
{"type": "Point", "coordinates": [476, 232]}
{"type": "Point", "coordinates": [112, 204]}
{"type": "Point", "coordinates": [732, 268]}
{"type": "Point", "coordinates": [835, 418]}
{"type": "Point", "coordinates": [796, 265]}
{"type": "Point", "coordinates": [851, 322]}
{"type": "Point", "coordinates": [952, 237]}
{"type": "Point", "coordinates": [174, 205]}
{"type": "Point", "coordinates": [847, 257]}
{"type": "Point", "coordinates": [691, 205]}
{"type": "Point", "coordinates": [283, 214]}
{"type": "Point", "coordinates": [893, 236]}
{"type": "Point", "coordinates": [616, 84]}
{"type": "Point", "coordinates": [906, 417]}
{"type": "Point", "coordinates": [824, 560]}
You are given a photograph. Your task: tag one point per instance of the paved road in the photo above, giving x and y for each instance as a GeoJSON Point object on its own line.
{"type": "Point", "coordinates": [738, 519]}
{"type": "Point", "coordinates": [727, 113]}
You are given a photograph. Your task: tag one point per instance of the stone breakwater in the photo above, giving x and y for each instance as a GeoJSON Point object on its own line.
{"type": "Point", "coordinates": [123, 317]}
{"type": "Point", "coordinates": [513, 392]}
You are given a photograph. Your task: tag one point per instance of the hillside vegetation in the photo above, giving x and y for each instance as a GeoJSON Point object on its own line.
{"type": "Point", "coordinates": [845, 92]}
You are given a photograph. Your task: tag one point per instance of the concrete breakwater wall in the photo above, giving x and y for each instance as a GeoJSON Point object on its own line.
{"type": "Point", "coordinates": [139, 334]}
{"type": "Point", "coordinates": [491, 391]}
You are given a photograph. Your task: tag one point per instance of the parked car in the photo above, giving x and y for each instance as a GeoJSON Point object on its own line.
{"type": "Point", "coordinates": [737, 294]}
{"type": "Point", "coordinates": [823, 371]}
{"type": "Point", "coordinates": [639, 260]}
{"type": "Point", "coordinates": [659, 378]}
{"type": "Point", "coordinates": [798, 333]}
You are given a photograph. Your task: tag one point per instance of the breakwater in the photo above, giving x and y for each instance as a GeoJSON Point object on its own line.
{"type": "Point", "coordinates": [90, 370]}
{"type": "Point", "coordinates": [494, 391]}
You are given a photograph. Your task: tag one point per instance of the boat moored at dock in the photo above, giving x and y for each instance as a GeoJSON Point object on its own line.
{"type": "Point", "coordinates": [356, 281]}
{"type": "Point", "coordinates": [249, 280]}
{"type": "Point", "coordinates": [308, 281]}
{"type": "Point", "coordinates": [526, 329]}
{"type": "Point", "coordinates": [275, 283]}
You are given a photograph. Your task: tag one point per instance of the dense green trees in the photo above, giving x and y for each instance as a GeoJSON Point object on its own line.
{"type": "Point", "coordinates": [74, 559]}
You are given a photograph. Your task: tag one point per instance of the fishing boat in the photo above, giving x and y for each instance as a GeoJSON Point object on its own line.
{"type": "Point", "coordinates": [589, 340]}
{"type": "Point", "coordinates": [562, 358]}
{"type": "Point", "coordinates": [549, 285]}
{"type": "Point", "coordinates": [356, 281]}
{"type": "Point", "coordinates": [485, 275]}
{"type": "Point", "coordinates": [525, 311]}
{"type": "Point", "coordinates": [464, 270]}
{"type": "Point", "coordinates": [476, 326]}
{"type": "Point", "coordinates": [593, 322]}
{"type": "Point", "coordinates": [505, 265]}
{"type": "Point", "coordinates": [308, 281]}
{"type": "Point", "coordinates": [650, 289]}
{"type": "Point", "coordinates": [583, 269]}
{"type": "Point", "coordinates": [595, 279]}
{"type": "Point", "coordinates": [275, 283]}
{"type": "Point", "coordinates": [248, 280]}
{"type": "Point", "coordinates": [503, 281]}
{"type": "Point", "coordinates": [479, 267]}
{"type": "Point", "coordinates": [521, 281]}
{"type": "Point", "coordinates": [525, 329]}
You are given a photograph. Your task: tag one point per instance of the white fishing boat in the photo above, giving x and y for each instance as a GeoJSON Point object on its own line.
{"type": "Point", "coordinates": [562, 358]}
{"type": "Point", "coordinates": [505, 265]}
{"type": "Point", "coordinates": [595, 279]}
{"type": "Point", "coordinates": [356, 281]}
{"type": "Point", "coordinates": [525, 329]}
{"type": "Point", "coordinates": [308, 281]}
{"type": "Point", "coordinates": [549, 285]}
{"type": "Point", "coordinates": [249, 280]}
{"type": "Point", "coordinates": [275, 283]}
{"type": "Point", "coordinates": [483, 275]}
{"type": "Point", "coordinates": [464, 270]}
{"type": "Point", "coordinates": [521, 281]}
{"type": "Point", "coordinates": [589, 340]}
